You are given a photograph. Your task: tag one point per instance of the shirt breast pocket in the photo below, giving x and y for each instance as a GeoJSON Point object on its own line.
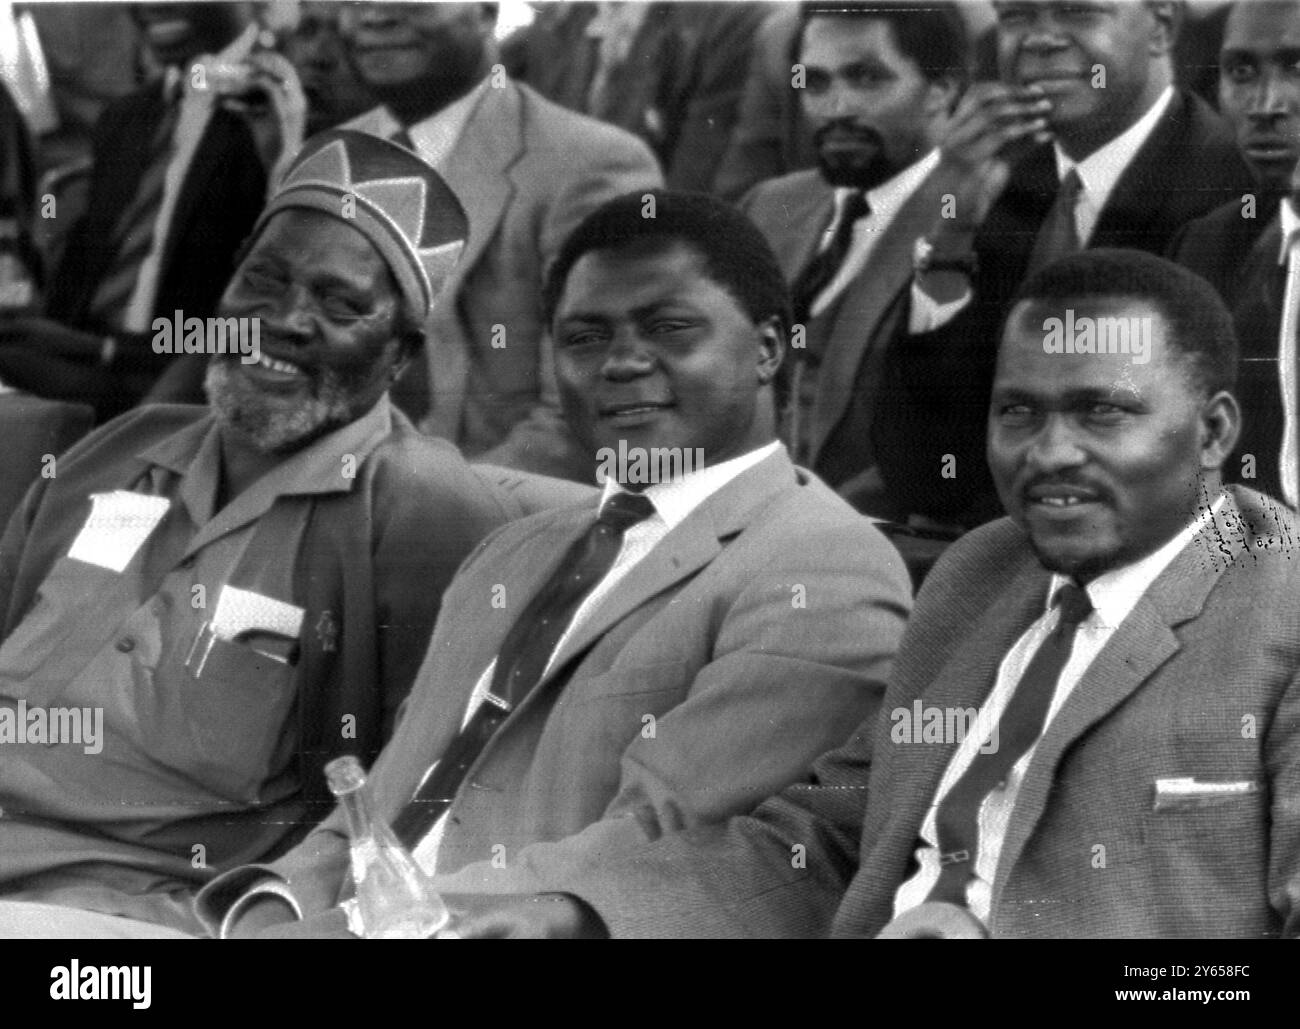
{"type": "Point", "coordinates": [226, 726]}
{"type": "Point", "coordinates": [71, 588]}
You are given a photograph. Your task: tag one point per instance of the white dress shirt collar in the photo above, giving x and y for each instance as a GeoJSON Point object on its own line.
{"type": "Point", "coordinates": [1114, 594]}
{"type": "Point", "coordinates": [1101, 170]}
{"type": "Point", "coordinates": [1290, 220]}
{"type": "Point", "coordinates": [434, 137]}
{"type": "Point", "coordinates": [886, 199]}
{"type": "Point", "coordinates": [675, 499]}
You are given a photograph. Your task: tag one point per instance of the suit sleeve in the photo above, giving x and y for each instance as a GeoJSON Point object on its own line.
{"type": "Point", "coordinates": [1282, 755]}
{"type": "Point", "coordinates": [440, 494]}
{"type": "Point", "coordinates": [542, 442]}
{"type": "Point", "coordinates": [931, 418]}
{"type": "Point", "coordinates": [795, 678]}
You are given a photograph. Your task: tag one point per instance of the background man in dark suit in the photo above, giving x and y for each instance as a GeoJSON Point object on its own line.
{"type": "Point", "coordinates": [1132, 760]}
{"type": "Point", "coordinates": [690, 680]}
{"type": "Point", "coordinates": [175, 188]}
{"type": "Point", "coordinates": [1244, 247]}
{"type": "Point", "coordinates": [1085, 97]}
{"type": "Point", "coordinates": [528, 171]}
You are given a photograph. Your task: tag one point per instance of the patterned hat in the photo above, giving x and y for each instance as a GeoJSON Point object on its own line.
{"type": "Point", "coordinates": [389, 195]}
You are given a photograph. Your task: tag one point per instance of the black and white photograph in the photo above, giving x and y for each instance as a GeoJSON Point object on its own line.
{"type": "Point", "coordinates": [706, 469]}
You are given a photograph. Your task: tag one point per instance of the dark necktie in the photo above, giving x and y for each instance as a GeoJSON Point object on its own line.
{"type": "Point", "coordinates": [1019, 728]}
{"type": "Point", "coordinates": [532, 639]}
{"type": "Point", "coordinates": [133, 232]}
{"type": "Point", "coordinates": [819, 272]}
{"type": "Point", "coordinates": [1058, 236]}
{"type": "Point", "coordinates": [524, 655]}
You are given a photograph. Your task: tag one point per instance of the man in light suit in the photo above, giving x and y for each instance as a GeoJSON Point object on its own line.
{"type": "Point", "coordinates": [881, 81]}
{"type": "Point", "coordinates": [746, 625]}
{"type": "Point", "coordinates": [1148, 611]}
{"type": "Point", "coordinates": [526, 171]}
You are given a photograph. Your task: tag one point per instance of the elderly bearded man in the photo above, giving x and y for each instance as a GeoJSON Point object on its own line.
{"type": "Point", "coordinates": [232, 596]}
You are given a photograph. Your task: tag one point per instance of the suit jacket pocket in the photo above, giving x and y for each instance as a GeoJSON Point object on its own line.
{"type": "Point", "coordinates": [1207, 818]}
{"type": "Point", "coordinates": [606, 714]}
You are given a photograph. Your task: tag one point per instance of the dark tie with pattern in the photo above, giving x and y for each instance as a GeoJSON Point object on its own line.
{"type": "Point", "coordinates": [133, 232]}
{"type": "Point", "coordinates": [524, 655]}
{"type": "Point", "coordinates": [819, 272]}
{"type": "Point", "coordinates": [1058, 236]}
{"type": "Point", "coordinates": [1019, 728]}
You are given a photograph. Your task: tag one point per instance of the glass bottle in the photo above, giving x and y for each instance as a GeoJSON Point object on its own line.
{"type": "Point", "coordinates": [394, 898]}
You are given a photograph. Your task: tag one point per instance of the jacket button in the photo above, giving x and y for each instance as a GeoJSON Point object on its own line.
{"type": "Point", "coordinates": [126, 644]}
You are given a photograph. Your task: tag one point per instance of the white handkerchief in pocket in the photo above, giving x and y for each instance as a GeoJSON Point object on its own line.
{"type": "Point", "coordinates": [118, 524]}
{"type": "Point", "coordinates": [240, 612]}
{"type": "Point", "coordinates": [1184, 793]}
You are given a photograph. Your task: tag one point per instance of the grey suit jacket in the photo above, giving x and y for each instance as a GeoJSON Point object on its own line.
{"type": "Point", "coordinates": [1201, 682]}
{"type": "Point", "coordinates": [753, 637]}
{"type": "Point", "coordinates": [527, 172]}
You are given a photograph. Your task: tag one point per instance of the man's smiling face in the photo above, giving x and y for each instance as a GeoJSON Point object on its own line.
{"type": "Point", "coordinates": [1098, 457]}
{"type": "Point", "coordinates": [1061, 47]}
{"type": "Point", "coordinates": [330, 315]}
{"type": "Point", "coordinates": [651, 352]}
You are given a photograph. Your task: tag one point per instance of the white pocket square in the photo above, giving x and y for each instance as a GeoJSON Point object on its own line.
{"type": "Point", "coordinates": [1184, 792]}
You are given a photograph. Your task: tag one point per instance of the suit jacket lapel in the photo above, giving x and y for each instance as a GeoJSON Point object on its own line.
{"type": "Point", "coordinates": [1129, 211]}
{"type": "Point", "coordinates": [203, 166]}
{"type": "Point", "coordinates": [1143, 643]}
{"type": "Point", "coordinates": [856, 330]}
{"type": "Point", "coordinates": [966, 681]}
{"type": "Point", "coordinates": [685, 550]}
{"type": "Point", "coordinates": [478, 172]}
{"type": "Point", "coordinates": [808, 212]}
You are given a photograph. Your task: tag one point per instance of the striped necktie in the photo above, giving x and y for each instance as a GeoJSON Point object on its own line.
{"type": "Point", "coordinates": [1020, 727]}
{"type": "Point", "coordinates": [132, 235]}
{"type": "Point", "coordinates": [524, 656]}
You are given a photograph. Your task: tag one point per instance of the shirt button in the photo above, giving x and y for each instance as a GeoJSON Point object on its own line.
{"type": "Point", "coordinates": [126, 644]}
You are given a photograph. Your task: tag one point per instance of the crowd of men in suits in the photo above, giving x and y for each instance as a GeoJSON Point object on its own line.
{"type": "Point", "coordinates": [1041, 317]}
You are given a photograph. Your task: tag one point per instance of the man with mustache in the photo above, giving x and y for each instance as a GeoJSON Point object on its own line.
{"type": "Point", "coordinates": [241, 591]}
{"type": "Point", "coordinates": [1246, 248]}
{"type": "Point", "coordinates": [1084, 142]}
{"type": "Point", "coordinates": [569, 707]}
{"type": "Point", "coordinates": [881, 82]}
{"type": "Point", "coordinates": [1129, 641]}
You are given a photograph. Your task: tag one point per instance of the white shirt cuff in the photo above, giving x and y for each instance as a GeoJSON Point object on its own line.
{"type": "Point", "coordinates": [266, 888]}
